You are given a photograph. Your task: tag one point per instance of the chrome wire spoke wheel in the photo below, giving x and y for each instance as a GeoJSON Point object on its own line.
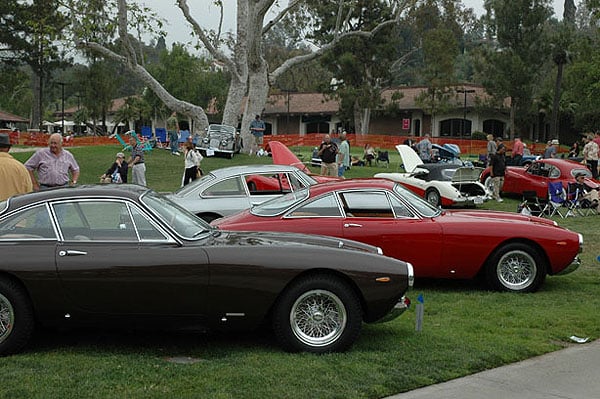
{"type": "Point", "coordinates": [517, 270]}
{"type": "Point", "coordinates": [7, 318]}
{"type": "Point", "coordinates": [318, 318]}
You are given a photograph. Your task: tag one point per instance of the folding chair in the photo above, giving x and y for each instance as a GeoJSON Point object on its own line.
{"type": "Point", "coordinates": [126, 147]}
{"type": "Point", "coordinates": [383, 156]}
{"type": "Point", "coordinates": [532, 205]}
{"type": "Point", "coordinates": [557, 199]}
{"type": "Point", "coordinates": [577, 201]}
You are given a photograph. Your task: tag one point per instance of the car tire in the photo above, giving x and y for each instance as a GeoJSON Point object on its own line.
{"type": "Point", "coordinates": [317, 314]}
{"type": "Point", "coordinates": [516, 267]}
{"type": "Point", "coordinates": [16, 317]}
{"type": "Point", "coordinates": [433, 197]}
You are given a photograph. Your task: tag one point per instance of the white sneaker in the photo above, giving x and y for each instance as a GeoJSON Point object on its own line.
{"type": "Point", "coordinates": [500, 200]}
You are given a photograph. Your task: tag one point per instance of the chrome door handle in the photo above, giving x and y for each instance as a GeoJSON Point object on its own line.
{"type": "Point", "coordinates": [352, 225]}
{"type": "Point", "coordinates": [71, 253]}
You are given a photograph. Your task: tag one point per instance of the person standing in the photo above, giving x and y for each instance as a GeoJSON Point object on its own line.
{"type": "Point", "coordinates": [343, 155]}
{"type": "Point", "coordinates": [328, 152]}
{"type": "Point", "coordinates": [550, 151]}
{"type": "Point", "coordinates": [136, 160]}
{"type": "Point", "coordinates": [498, 169]}
{"type": "Point", "coordinates": [590, 155]}
{"type": "Point", "coordinates": [55, 166]}
{"type": "Point", "coordinates": [14, 177]}
{"type": "Point", "coordinates": [425, 149]}
{"type": "Point", "coordinates": [257, 129]}
{"type": "Point", "coordinates": [173, 131]}
{"type": "Point", "coordinates": [491, 148]}
{"type": "Point", "coordinates": [192, 163]}
{"type": "Point", "coordinates": [118, 170]}
{"type": "Point", "coordinates": [517, 151]}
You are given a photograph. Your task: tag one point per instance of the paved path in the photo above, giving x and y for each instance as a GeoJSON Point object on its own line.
{"type": "Point", "coordinates": [572, 373]}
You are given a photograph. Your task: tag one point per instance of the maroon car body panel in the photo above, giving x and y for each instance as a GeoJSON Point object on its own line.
{"type": "Point", "coordinates": [178, 282]}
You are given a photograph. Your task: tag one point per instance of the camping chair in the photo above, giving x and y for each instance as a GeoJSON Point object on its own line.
{"type": "Point", "coordinates": [577, 202]}
{"type": "Point", "coordinates": [146, 144]}
{"type": "Point", "coordinates": [126, 147]}
{"type": "Point", "coordinates": [383, 156]}
{"type": "Point", "coordinates": [532, 205]}
{"type": "Point", "coordinates": [557, 199]}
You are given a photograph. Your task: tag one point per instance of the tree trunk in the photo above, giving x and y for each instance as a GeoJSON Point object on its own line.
{"type": "Point", "coordinates": [556, 103]}
{"type": "Point", "coordinates": [513, 111]}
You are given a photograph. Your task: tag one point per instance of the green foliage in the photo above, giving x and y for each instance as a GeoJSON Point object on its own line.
{"type": "Point", "coordinates": [188, 78]}
{"type": "Point", "coordinates": [478, 136]}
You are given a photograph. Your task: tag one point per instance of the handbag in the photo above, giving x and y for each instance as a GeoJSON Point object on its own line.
{"type": "Point", "coordinates": [116, 177]}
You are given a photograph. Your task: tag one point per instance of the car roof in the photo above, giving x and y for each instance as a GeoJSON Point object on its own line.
{"type": "Point", "coordinates": [352, 184]}
{"type": "Point", "coordinates": [130, 191]}
{"type": "Point", "coordinates": [242, 169]}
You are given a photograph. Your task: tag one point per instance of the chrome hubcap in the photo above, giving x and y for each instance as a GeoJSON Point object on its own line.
{"type": "Point", "coordinates": [517, 270]}
{"type": "Point", "coordinates": [7, 318]}
{"type": "Point", "coordinates": [318, 318]}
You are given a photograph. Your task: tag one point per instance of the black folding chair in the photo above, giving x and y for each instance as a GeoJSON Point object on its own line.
{"type": "Point", "coordinates": [383, 156]}
{"type": "Point", "coordinates": [532, 205]}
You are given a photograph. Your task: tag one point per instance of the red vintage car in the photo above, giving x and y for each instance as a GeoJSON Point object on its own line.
{"type": "Point", "coordinates": [536, 176]}
{"type": "Point", "coordinates": [513, 252]}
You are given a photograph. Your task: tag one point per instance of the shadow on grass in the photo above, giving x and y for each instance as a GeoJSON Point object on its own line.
{"type": "Point", "coordinates": [151, 343]}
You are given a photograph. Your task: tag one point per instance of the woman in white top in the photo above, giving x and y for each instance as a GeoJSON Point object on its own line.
{"type": "Point", "coordinates": [192, 163]}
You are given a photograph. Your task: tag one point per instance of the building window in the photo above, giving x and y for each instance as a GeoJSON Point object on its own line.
{"type": "Point", "coordinates": [494, 127]}
{"type": "Point", "coordinates": [316, 123]}
{"type": "Point", "coordinates": [455, 128]}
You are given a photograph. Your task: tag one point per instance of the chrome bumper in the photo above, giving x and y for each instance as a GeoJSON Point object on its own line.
{"type": "Point", "coordinates": [400, 307]}
{"type": "Point", "coordinates": [571, 268]}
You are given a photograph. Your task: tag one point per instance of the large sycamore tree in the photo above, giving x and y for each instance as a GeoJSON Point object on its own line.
{"type": "Point", "coordinates": [241, 53]}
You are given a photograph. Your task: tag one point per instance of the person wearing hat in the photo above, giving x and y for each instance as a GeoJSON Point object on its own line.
{"type": "Point", "coordinates": [586, 194]}
{"type": "Point", "coordinates": [14, 178]}
{"type": "Point", "coordinates": [590, 155]}
{"type": "Point", "coordinates": [118, 170]}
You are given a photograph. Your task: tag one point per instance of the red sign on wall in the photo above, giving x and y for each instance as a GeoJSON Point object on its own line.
{"type": "Point", "coordinates": [405, 124]}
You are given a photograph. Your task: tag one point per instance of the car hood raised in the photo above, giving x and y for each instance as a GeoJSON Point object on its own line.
{"type": "Point", "coordinates": [282, 239]}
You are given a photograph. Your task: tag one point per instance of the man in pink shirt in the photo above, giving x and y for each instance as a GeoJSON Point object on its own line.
{"type": "Point", "coordinates": [55, 166]}
{"type": "Point", "coordinates": [517, 151]}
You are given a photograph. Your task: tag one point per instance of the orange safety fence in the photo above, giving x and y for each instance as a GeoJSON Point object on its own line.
{"type": "Point", "coordinates": [378, 141]}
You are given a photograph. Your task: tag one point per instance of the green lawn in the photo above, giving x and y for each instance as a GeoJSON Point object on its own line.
{"type": "Point", "coordinates": [466, 329]}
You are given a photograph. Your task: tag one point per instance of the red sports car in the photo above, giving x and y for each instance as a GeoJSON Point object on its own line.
{"type": "Point", "coordinates": [537, 176]}
{"type": "Point", "coordinates": [514, 252]}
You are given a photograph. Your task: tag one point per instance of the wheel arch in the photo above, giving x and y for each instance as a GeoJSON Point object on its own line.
{"type": "Point", "coordinates": [518, 240]}
{"type": "Point", "coordinates": [323, 272]}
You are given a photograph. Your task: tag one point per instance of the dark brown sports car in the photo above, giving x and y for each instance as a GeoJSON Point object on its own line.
{"type": "Point", "coordinates": [125, 255]}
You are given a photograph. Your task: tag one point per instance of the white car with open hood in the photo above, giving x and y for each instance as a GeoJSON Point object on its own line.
{"type": "Point", "coordinates": [441, 184]}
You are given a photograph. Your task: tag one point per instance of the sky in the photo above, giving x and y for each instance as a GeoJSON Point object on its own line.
{"type": "Point", "coordinates": [207, 15]}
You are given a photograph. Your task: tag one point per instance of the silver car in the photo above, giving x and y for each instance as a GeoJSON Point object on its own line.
{"type": "Point", "coordinates": [229, 190]}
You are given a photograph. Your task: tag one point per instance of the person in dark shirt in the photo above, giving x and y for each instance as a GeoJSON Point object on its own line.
{"type": "Point", "coordinates": [498, 169]}
{"type": "Point", "coordinates": [118, 170]}
{"type": "Point", "coordinates": [328, 152]}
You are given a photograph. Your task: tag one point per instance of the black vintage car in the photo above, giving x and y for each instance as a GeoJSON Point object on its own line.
{"type": "Point", "coordinates": [125, 256]}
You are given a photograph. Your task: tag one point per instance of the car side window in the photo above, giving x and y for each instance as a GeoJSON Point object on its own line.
{"type": "Point", "coordinates": [367, 204]}
{"type": "Point", "coordinates": [226, 188]}
{"type": "Point", "coordinates": [322, 206]}
{"type": "Point", "coordinates": [295, 183]}
{"type": "Point", "coordinates": [553, 173]}
{"type": "Point", "coordinates": [33, 223]}
{"type": "Point", "coordinates": [95, 221]}
{"type": "Point", "coordinates": [147, 231]}
{"type": "Point", "coordinates": [400, 210]}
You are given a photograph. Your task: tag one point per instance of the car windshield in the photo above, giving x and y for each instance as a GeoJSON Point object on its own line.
{"type": "Point", "coordinates": [422, 206]}
{"type": "Point", "coordinates": [192, 186]}
{"type": "Point", "coordinates": [279, 205]}
{"type": "Point", "coordinates": [185, 224]}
